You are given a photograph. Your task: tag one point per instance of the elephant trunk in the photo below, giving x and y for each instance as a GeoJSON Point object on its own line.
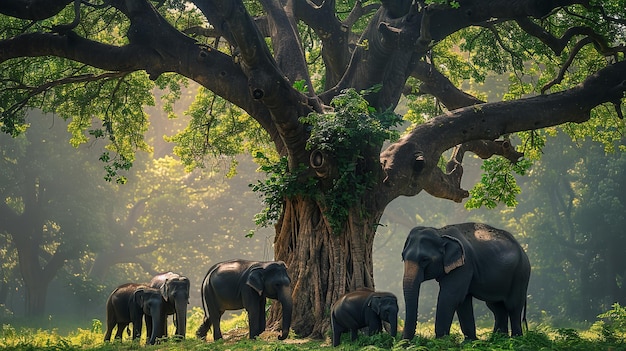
{"type": "Point", "coordinates": [284, 297]}
{"type": "Point", "coordinates": [158, 321]}
{"type": "Point", "coordinates": [413, 277]}
{"type": "Point", "coordinates": [181, 316]}
{"type": "Point", "coordinates": [393, 323]}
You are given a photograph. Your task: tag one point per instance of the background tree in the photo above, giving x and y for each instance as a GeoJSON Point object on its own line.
{"type": "Point", "coordinates": [575, 228]}
{"type": "Point", "coordinates": [50, 209]}
{"type": "Point", "coordinates": [156, 222]}
{"type": "Point", "coordinates": [279, 61]}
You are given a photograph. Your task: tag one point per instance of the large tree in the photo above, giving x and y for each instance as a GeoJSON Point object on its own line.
{"type": "Point", "coordinates": [281, 60]}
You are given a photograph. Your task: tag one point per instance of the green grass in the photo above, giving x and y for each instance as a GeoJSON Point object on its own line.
{"type": "Point", "coordinates": [607, 334]}
{"type": "Point", "coordinates": [542, 338]}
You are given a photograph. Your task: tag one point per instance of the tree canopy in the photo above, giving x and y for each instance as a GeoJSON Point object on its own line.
{"type": "Point", "coordinates": [283, 74]}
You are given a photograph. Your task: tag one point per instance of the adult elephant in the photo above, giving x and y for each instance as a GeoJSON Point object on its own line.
{"type": "Point", "coordinates": [468, 260]}
{"type": "Point", "coordinates": [129, 303]}
{"type": "Point", "coordinates": [364, 308]}
{"type": "Point", "coordinates": [175, 291]}
{"type": "Point", "coordinates": [238, 284]}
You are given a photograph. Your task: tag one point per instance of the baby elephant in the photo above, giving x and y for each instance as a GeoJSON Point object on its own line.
{"type": "Point", "coordinates": [364, 308]}
{"type": "Point", "coordinates": [129, 303]}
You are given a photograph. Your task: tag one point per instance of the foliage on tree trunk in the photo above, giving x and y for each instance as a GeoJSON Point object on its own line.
{"type": "Point", "coordinates": [269, 64]}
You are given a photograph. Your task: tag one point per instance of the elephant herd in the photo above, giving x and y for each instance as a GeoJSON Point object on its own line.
{"type": "Point", "coordinates": [469, 260]}
{"type": "Point", "coordinates": [166, 294]}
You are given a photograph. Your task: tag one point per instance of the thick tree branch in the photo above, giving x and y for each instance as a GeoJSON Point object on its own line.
{"type": "Point", "coordinates": [334, 35]}
{"type": "Point", "coordinates": [266, 83]}
{"type": "Point", "coordinates": [436, 84]}
{"type": "Point", "coordinates": [359, 11]}
{"type": "Point", "coordinates": [384, 55]}
{"type": "Point", "coordinates": [409, 164]}
{"type": "Point", "coordinates": [32, 91]}
{"type": "Point", "coordinates": [286, 42]}
{"type": "Point", "coordinates": [32, 9]}
{"type": "Point", "coordinates": [556, 44]}
{"type": "Point", "coordinates": [448, 185]}
{"type": "Point", "coordinates": [155, 51]}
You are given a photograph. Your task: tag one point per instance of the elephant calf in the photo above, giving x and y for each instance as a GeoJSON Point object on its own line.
{"type": "Point", "coordinates": [128, 303]}
{"type": "Point", "coordinates": [363, 308]}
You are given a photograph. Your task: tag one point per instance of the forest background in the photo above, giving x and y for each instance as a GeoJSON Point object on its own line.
{"type": "Point", "coordinates": [568, 218]}
{"type": "Point", "coordinates": [78, 236]}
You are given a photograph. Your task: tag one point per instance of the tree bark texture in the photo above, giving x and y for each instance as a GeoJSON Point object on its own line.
{"type": "Point", "coordinates": [322, 265]}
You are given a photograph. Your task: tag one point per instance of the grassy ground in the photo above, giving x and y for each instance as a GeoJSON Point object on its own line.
{"type": "Point", "coordinates": [601, 336]}
{"type": "Point", "coordinates": [85, 339]}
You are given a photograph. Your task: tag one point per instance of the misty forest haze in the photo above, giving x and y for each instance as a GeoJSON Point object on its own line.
{"type": "Point", "coordinates": [143, 136]}
{"type": "Point", "coordinates": [568, 219]}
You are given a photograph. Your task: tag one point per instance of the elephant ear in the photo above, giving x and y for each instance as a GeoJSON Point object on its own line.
{"type": "Point", "coordinates": [136, 305]}
{"type": "Point", "coordinates": [454, 253]}
{"type": "Point", "coordinates": [186, 280]}
{"type": "Point", "coordinates": [255, 280]}
{"type": "Point", "coordinates": [374, 304]}
{"type": "Point", "coordinates": [138, 296]}
{"type": "Point", "coordinates": [164, 289]}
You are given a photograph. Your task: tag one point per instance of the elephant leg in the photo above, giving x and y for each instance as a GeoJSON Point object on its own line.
{"type": "Point", "coordinates": [110, 325]}
{"type": "Point", "coordinates": [516, 323]}
{"type": "Point", "coordinates": [443, 317]}
{"type": "Point", "coordinates": [337, 330]}
{"type": "Point", "coordinates": [203, 329]}
{"type": "Point", "coordinates": [177, 332]}
{"type": "Point", "coordinates": [375, 326]}
{"type": "Point", "coordinates": [256, 318]}
{"type": "Point", "coordinates": [354, 333]}
{"type": "Point", "coordinates": [453, 290]}
{"type": "Point", "coordinates": [215, 323]}
{"type": "Point", "coordinates": [501, 316]}
{"type": "Point", "coordinates": [137, 324]}
{"type": "Point", "coordinates": [465, 312]}
{"type": "Point", "coordinates": [164, 326]}
{"type": "Point", "coordinates": [515, 314]}
{"type": "Point", "coordinates": [120, 330]}
{"type": "Point", "coordinates": [262, 317]}
{"type": "Point", "coordinates": [148, 320]}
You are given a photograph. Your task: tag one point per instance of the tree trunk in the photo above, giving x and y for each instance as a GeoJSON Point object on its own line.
{"type": "Point", "coordinates": [35, 283]}
{"type": "Point", "coordinates": [36, 298]}
{"type": "Point", "coordinates": [322, 265]}
{"type": "Point", "coordinates": [36, 276]}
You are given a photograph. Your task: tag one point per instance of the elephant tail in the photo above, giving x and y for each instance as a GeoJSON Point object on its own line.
{"type": "Point", "coordinates": [204, 328]}
{"type": "Point", "coordinates": [203, 296]}
{"type": "Point", "coordinates": [205, 283]}
{"type": "Point", "coordinates": [524, 315]}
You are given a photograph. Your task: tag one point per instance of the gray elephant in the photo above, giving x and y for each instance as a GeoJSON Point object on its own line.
{"type": "Point", "coordinates": [175, 291]}
{"type": "Point", "coordinates": [468, 260]}
{"type": "Point", "coordinates": [363, 308]}
{"type": "Point", "coordinates": [238, 284]}
{"type": "Point", "coordinates": [129, 303]}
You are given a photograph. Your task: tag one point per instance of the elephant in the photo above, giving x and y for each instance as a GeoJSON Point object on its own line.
{"type": "Point", "coordinates": [363, 308]}
{"type": "Point", "coordinates": [175, 291]}
{"type": "Point", "coordinates": [128, 303]}
{"type": "Point", "coordinates": [237, 284]}
{"type": "Point", "coordinates": [469, 260]}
